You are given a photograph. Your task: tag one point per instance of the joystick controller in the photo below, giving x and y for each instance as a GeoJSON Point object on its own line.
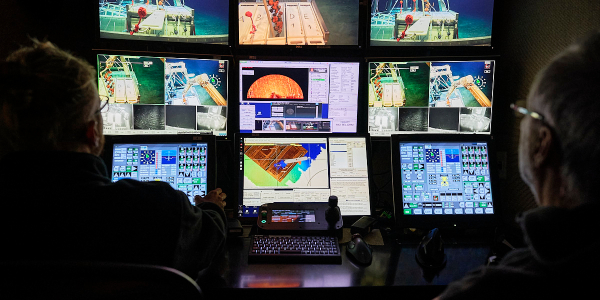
{"type": "Point", "coordinates": [333, 214]}
{"type": "Point", "coordinates": [430, 253]}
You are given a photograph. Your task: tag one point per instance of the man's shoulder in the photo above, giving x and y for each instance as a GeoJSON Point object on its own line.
{"type": "Point", "coordinates": [518, 276]}
{"type": "Point", "coordinates": [491, 282]}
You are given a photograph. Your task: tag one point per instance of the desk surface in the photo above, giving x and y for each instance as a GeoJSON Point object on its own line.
{"type": "Point", "coordinates": [393, 268]}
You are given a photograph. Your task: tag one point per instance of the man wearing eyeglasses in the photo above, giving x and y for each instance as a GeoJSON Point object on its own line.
{"type": "Point", "coordinates": [559, 158]}
{"type": "Point", "coordinates": [58, 202]}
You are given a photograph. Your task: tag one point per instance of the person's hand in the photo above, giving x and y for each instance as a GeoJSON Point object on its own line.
{"type": "Point", "coordinates": [215, 196]}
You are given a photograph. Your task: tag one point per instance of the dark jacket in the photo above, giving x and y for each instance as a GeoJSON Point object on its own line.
{"type": "Point", "coordinates": [559, 262]}
{"type": "Point", "coordinates": [62, 206]}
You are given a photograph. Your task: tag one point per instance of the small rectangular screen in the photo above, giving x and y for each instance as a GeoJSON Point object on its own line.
{"type": "Point", "coordinates": [430, 97]}
{"type": "Point", "coordinates": [293, 216]}
{"type": "Point", "coordinates": [298, 97]}
{"type": "Point", "coordinates": [297, 23]}
{"type": "Point", "coordinates": [189, 21]}
{"type": "Point", "coordinates": [278, 169]}
{"type": "Point", "coordinates": [431, 23]}
{"type": "Point", "coordinates": [182, 165]}
{"type": "Point", "coordinates": [162, 95]}
{"type": "Point", "coordinates": [445, 178]}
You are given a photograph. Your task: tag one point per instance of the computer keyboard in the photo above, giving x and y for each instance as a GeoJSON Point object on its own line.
{"type": "Point", "coordinates": [296, 249]}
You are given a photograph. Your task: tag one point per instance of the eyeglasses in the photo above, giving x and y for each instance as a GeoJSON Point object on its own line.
{"type": "Point", "coordinates": [542, 119]}
{"type": "Point", "coordinates": [527, 112]}
{"type": "Point", "coordinates": [103, 104]}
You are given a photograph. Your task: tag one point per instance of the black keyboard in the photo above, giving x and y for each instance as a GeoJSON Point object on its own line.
{"type": "Point", "coordinates": [295, 249]}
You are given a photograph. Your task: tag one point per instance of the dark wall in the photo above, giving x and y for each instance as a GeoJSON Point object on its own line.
{"type": "Point", "coordinates": [526, 35]}
{"type": "Point", "coordinates": [68, 23]}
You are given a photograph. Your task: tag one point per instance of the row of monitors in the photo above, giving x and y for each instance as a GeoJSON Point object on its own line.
{"type": "Point", "coordinates": [299, 22]}
{"type": "Point", "coordinates": [162, 95]}
{"type": "Point", "coordinates": [438, 180]}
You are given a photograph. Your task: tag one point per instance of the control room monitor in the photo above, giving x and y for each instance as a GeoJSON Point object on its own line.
{"type": "Point", "coordinates": [430, 97]}
{"type": "Point", "coordinates": [298, 97]}
{"type": "Point", "coordinates": [433, 23]}
{"type": "Point", "coordinates": [298, 22]}
{"type": "Point", "coordinates": [190, 21]}
{"type": "Point", "coordinates": [443, 180]}
{"type": "Point", "coordinates": [187, 162]}
{"type": "Point", "coordinates": [304, 169]}
{"type": "Point", "coordinates": [163, 95]}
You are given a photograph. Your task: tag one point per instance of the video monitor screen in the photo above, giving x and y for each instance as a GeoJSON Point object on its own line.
{"type": "Point", "coordinates": [162, 95]}
{"type": "Point", "coordinates": [430, 97]}
{"type": "Point", "coordinates": [442, 178]}
{"type": "Point", "coordinates": [298, 96]}
{"type": "Point", "coordinates": [187, 166]}
{"type": "Point", "coordinates": [293, 215]}
{"type": "Point", "coordinates": [431, 23]}
{"type": "Point", "coordinates": [182, 21]}
{"type": "Point", "coordinates": [300, 22]}
{"type": "Point", "coordinates": [304, 169]}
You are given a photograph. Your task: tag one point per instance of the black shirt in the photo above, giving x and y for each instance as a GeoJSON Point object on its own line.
{"type": "Point", "coordinates": [62, 206]}
{"type": "Point", "coordinates": [559, 262]}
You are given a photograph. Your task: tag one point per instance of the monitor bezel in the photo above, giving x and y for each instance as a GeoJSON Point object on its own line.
{"type": "Point", "coordinates": [420, 58]}
{"type": "Point", "coordinates": [239, 144]}
{"type": "Point", "coordinates": [211, 158]}
{"type": "Point", "coordinates": [428, 222]}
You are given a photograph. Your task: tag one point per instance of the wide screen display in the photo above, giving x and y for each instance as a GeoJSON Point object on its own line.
{"type": "Point", "coordinates": [298, 96]}
{"type": "Point", "coordinates": [184, 21]}
{"type": "Point", "coordinates": [304, 169]}
{"type": "Point", "coordinates": [161, 95]}
{"type": "Point", "coordinates": [431, 22]}
{"type": "Point", "coordinates": [296, 23]}
{"type": "Point", "coordinates": [430, 97]}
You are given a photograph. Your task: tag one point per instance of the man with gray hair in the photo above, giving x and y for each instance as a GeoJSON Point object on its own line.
{"type": "Point", "coordinates": [558, 158]}
{"type": "Point", "coordinates": [58, 201]}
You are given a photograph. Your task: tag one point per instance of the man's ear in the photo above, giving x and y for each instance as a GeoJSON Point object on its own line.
{"type": "Point", "coordinates": [92, 134]}
{"type": "Point", "coordinates": [545, 147]}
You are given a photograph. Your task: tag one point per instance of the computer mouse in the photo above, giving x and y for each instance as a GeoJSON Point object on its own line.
{"type": "Point", "coordinates": [359, 251]}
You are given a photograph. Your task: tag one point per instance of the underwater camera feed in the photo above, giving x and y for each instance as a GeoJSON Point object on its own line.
{"type": "Point", "coordinates": [158, 95]}
{"type": "Point", "coordinates": [300, 22]}
{"type": "Point", "coordinates": [184, 21]}
{"type": "Point", "coordinates": [431, 22]}
{"type": "Point", "coordinates": [430, 97]}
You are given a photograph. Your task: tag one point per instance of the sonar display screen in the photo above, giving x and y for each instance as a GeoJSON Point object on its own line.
{"type": "Point", "coordinates": [298, 97]}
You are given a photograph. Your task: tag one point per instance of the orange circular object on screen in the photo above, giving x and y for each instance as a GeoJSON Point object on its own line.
{"type": "Point", "coordinates": [275, 86]}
